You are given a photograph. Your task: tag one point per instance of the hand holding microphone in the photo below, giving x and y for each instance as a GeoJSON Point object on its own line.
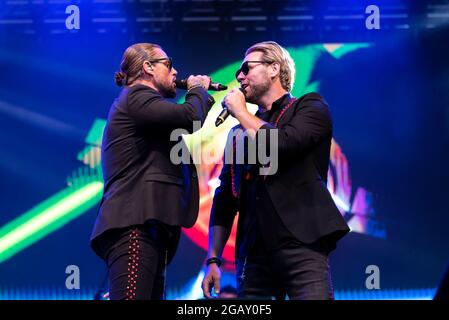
{"type": "Point", "coordinates": [203, 81]}
{"type": "Point", "coordinates": [233, 103]}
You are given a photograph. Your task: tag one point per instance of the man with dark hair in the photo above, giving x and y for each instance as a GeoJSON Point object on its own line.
{"type": "Point", "coordinates": [147, 198]}
{"type": "Point", "coordinates": [288, 222]}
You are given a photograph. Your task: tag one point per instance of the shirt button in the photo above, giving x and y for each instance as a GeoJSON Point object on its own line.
{"type": "Point", "coordinates": [194, 175]}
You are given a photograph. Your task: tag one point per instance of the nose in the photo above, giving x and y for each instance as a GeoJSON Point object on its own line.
{"type": "Point", "coordinates": [240, 76]}
{"type": "Point", "coordinates": [175, 72]}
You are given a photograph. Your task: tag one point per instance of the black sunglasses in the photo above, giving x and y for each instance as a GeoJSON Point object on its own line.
{"type": "Point", "coordinates": [169, 65]}
{"type": "Point", "coordinates": [244, 68]}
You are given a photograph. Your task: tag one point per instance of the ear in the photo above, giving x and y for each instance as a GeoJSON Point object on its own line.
{"type": "Point", "coordinates": [275, 69]}
{"type": "Point", "coordinates": [148, 67]}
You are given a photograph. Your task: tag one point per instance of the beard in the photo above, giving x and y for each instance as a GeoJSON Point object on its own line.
{"type": "Point", "coordinates": [257, 91]}
{"type": "Point", "coordinates": [166, 89]}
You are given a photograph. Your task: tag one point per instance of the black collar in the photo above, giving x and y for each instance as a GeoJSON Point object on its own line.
{"type": "Point", "coordinates": [144, 86]}
{"type": "Point", "coordinates": [282, 101]}
{"type": "Point", "coordinates": [278, 104]}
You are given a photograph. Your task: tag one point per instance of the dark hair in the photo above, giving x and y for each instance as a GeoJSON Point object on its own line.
{"type": "Point", "coordinates": [120, 78]}
{"type": "Point", "coordinates": [132, 61]}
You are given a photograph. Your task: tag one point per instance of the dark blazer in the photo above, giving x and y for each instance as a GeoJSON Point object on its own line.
{"type": "Point", "coordinates": [140, 180]}
{"type": "Point", "coordinates": [298, 189]}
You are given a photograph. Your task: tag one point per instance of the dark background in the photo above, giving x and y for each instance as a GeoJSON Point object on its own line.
{"type": "Point", "coordinates": [390, 105]}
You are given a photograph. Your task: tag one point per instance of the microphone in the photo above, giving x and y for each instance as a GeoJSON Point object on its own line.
{"type": "Point", "coordinates": [224, 113]}
{"type": "Point", "coordinates": [182, 84]}
{"type": "Point", "coordinates": [222, 116]}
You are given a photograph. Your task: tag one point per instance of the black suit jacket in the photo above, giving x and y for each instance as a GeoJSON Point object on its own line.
{"type": "Point", "coordinates": [140, 181]}
{"type": "Point", "coordinates": [298, 189]}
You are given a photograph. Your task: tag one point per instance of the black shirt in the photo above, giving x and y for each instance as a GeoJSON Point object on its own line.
{"type": "Point", "coordinates": [298, 193]}
{"type": "Point", "coordinates": [261, 222]}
